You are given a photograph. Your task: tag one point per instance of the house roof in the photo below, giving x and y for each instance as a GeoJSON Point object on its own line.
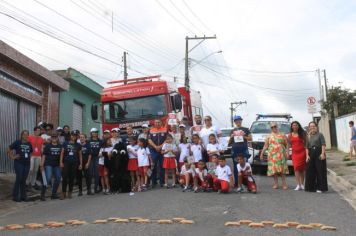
{"type": "Point", "coordinates": [72, 75]}
{"type": "Point", "coordinates": [27, 63]}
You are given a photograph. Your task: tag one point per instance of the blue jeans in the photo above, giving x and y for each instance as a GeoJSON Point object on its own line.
{"type": "Point", "coordinates": [95, 171]}
{"type": "Point", "coordinates": [234, 161]}
{"type": "Point", "coordinates": [157, 159]}
{"type": "Point", "coordinates": [21, 170]}
{"type": "Point", "coordinates": [54, 171]}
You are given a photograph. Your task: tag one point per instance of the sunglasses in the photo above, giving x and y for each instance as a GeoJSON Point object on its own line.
{"type": "Point", "coordinates": [272, 127]}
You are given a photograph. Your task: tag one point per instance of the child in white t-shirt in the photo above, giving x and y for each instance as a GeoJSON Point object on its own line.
{"type": "Point", "coordinates": [223, 177]}
{"type": "Point", "coordinates": [201, 177]}
{"type": "Point", "coordinates": [105, 153]}
{"type": "Point", "coordinates": [213, 147]}
{"type": "Point", "coordinates": [196, 149]}
{"type": "Point", "coordinates": [144, 160]}
{"type": "Point", "coordinates": [245, 175]}
{"type": "Point", "coordinates": [186, 175]}
{"type": "Point", "coordinates": [183, 149]}
{"type": "Point", "coordinates": [169, 150]}
{"type": "Point", "coordinates": [132, 165]}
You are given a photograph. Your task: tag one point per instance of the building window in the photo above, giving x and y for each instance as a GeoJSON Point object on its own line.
{"type": "Point", "coordinates": [18, 83]}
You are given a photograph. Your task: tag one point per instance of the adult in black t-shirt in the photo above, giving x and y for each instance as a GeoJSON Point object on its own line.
{"type": "Point", "coordinates": [95, 144]}
{"type": "Point", "coordinates": [238, 142]}
{"type": "Point", "coordinates": [50, 164]}
{"type": "Point", "coordinates": [87, 163]}
{"type": "Point", "coordinates": [71, 161]}
{"type": "Point", "coordinates": [20, 151]}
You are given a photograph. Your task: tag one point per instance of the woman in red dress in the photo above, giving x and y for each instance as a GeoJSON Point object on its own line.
{"type": "Point", "coordinates": [297, 141]}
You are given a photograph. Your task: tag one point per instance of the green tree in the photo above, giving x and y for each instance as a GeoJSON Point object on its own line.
{"type": "Point", "coordinates": [344, 100]}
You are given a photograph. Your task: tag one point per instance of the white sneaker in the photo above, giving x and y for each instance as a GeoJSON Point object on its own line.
{"type": "Point", "coordinates": [319, 191]}
{"type": "Point", "coordinates": [298, 188]}
{"type": "Point", "coordinates": [302, 187]}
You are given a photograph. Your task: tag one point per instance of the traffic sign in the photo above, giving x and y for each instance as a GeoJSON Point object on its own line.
{"type": "Point", "coordinates": [311, 100]}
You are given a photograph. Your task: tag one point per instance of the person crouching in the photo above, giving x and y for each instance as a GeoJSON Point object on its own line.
{"type": "Point", "coordinates": [223, 177]}
{"type": "Point", "coordinates": [245, 175]}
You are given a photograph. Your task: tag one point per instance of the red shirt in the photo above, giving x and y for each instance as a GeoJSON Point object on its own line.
{"type": "Point", "coordinates": [36, 142]}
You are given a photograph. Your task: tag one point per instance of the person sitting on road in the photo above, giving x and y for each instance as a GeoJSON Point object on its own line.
{"type": "Point", "coordinates": [186, 175]}
{"type": "Point", "coordinates": [213, 146]}
{"type": "Point", "coordinates": [169, 150]}
{"type": "Point", "coordinates": [211, 166]}
{"type": "Point", "coordinates": [223, 177]}
{"type": "Point", "coordinates": [245, 175]}
{"type": "Point", "coordinates": [201, 177]}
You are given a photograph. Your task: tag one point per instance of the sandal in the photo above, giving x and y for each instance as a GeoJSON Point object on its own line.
{"type": "Point", "coordinates": [285, 187]}
{"type": "Point", "coordinates": [275, 186]}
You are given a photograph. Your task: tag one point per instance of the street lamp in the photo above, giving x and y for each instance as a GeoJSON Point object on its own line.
{"type": "Point", "coordinates": [198, 62]}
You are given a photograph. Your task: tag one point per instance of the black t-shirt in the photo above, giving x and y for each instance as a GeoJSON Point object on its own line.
{"type": "Point", "coordinates": [95, 146]}
{"type": "Point", "coordinates": [71, 152]}
{"type": "Point", "coordinates": [52, 153]}
{"type": "Point", "coordinates": [23, 150]}
{"type": "Point", "coordinates": [239, 145]}
{"type": "Point", "coordinates": [86, 151]}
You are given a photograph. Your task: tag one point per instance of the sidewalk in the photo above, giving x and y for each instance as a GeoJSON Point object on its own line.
{"type": "Point", "coordinates": [342, 175]}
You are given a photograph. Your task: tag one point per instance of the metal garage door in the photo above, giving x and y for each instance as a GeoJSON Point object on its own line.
{"type": "Point", "coordinates": [15, 116]}
{"type": "Point", "coordinates": [77, 117]}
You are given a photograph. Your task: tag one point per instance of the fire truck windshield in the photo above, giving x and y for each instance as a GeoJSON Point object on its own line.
{"type": "Point", "coordinates": [135, 109]}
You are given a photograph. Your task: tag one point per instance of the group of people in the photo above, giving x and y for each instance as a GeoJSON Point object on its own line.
{"type": "Point", "coordinates": [191, 155]}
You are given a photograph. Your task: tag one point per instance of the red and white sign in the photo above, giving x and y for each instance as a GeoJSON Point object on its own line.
{"type": "Point", "coordinates": [311, 100]}
{"type": "Point", "coordinates": [172, 119]}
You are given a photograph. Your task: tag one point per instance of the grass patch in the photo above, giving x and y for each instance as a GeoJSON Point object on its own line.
{"type": "Point", "coordinates": [351, 164]}
{"type": "Point", "coordinates": [346, 159]}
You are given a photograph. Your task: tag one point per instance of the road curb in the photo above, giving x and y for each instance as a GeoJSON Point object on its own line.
{"type": "Point", "coordinates": [343, 187]}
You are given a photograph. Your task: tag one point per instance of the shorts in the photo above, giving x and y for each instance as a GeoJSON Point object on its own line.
{"type": "Point", "coordinates": [182, 179]}
{"type": "Point", "coordinates": [142, 170]}
{"type": "Point", "coordinates": [132, 165]}
{"type": "Point", "coordinates": [353, 144]}
{"type": "Point", "coordinates": [249, 182]}
{"type": "Point", "coordinates": [103, 171]}
{"type": "Point", "coordinates": [169, 163]}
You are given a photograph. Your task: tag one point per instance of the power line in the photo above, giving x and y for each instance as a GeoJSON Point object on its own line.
{"type": "Point", "coordinates": [175, 18]}
{"type": "Point", "coordinates": [186, 18]}
{"type": "Point", "coordinates": [196, 16]}
{"type": "Point", "coordinates": [255, 85]}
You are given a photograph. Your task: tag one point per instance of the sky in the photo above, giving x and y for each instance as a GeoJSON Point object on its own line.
{"type": "Point", "coordinates": [271, 50]}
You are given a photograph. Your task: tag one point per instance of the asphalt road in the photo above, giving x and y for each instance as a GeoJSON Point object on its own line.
{"type": "Point", "coordinates": [209, 211]}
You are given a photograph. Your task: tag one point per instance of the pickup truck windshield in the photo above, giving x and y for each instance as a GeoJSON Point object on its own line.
{"type": "Point", "coordinates": [135, 109]}
{"type": "Point", "coordinates": [263, 127]}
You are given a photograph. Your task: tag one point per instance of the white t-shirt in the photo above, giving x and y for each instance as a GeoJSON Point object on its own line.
{"type": "Point", "coordinates": [168, 146]}
{"type": "Point", "coordinates": [184, 151]}
{"type": "Point", "coordinates": [197, 152]}
{"type": "Point", "coordinates": [213, 147]}
{"type": "Point", "coordinates": [223, 173]}
{"type": "Point", "coordinates": [142, 155]}
{"type": "Point", "coordinates": [101, 157]}
{"type": "Point", "coordinates": [184, 170]}
{"type": "Point", "coordinates": [132, 151]}
{"type": "Point", "coordinates": [246, 169]}
{"type": "Point", "coordinates": [115, 141]}
{"type": "Point", "coordinates": [46, 138]}
{"type": "Point", "coordinates": [201, 174]}
{"type": "Point", "coordinates": [205, 132]}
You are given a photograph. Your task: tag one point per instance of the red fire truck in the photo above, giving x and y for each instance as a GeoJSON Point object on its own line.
{"type": "Point", "coordinates": [140, 101]}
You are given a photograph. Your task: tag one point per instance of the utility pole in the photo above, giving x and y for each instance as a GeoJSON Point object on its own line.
{"type": "Point", "coordinates": [187, 51]}
{"type": "Point", "coordinates": [233, 107]}
{"type": "Point", "coordinates": [326, 85]}
{"type": "Point", "coordinates": [125, 68]}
